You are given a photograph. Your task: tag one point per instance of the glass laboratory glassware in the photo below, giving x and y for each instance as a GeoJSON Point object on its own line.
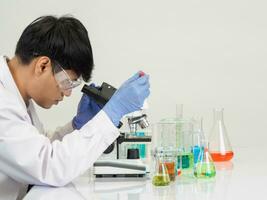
{"type": "Point", "coordinates": [166, 129]}
{"type": "Point", "coordinates": [204, 167]}
{"type": "Point", "coordinates": [184, 143]}
{"type": "Point", "coordinates": [198, 136]}
{"type": "Point", "coordinates": [179, 161]}
{"type": "Point", "coordinates": [169, 158]}
{"type": "Point", "coordinates": [179, 111]}
{"type": "Point", "coordinates": [220, 147]}
{"type": "Point", "coordinates": [161, 176]}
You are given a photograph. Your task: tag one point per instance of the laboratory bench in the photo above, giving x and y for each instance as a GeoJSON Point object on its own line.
{"type": "Point", "coordinates": [244, 177]}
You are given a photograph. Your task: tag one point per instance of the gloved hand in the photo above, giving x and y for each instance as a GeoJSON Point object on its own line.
{"type": "Point", "coordinates": [87, 109]}
{"type": "Point", "coordinates": [128, 98]}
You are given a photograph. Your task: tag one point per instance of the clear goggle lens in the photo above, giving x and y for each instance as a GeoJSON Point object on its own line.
{"type": "Point", "coordinates": [63, 79]}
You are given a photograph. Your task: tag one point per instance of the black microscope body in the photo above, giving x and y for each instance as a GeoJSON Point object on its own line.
{"type": "Point", "coordinates": [101, 95]}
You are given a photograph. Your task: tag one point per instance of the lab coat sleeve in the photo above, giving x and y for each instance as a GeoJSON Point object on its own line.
{"type": "Point", "coordinates": [30, 157]}
{"type": "Point", "coordinates": [60, 132]}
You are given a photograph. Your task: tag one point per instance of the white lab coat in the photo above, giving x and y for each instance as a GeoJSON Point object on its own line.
{"type": "Point", "coordinates": [29, 156]}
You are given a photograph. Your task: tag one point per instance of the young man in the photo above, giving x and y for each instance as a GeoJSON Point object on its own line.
{"type": "Point", "coordinates": [51, 57]}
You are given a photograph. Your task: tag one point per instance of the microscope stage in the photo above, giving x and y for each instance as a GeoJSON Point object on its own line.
{"type": "Point", "coordinates": [119, 168]}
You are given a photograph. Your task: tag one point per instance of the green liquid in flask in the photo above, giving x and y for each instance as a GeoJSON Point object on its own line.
{"type": "Point", "coordinates": [161, 180]}
{"type": "Point", "coordinates": [204, 170]}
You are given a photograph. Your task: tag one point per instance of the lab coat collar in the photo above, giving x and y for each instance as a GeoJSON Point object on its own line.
{"type": "Point", "coordinates": [6, 79]}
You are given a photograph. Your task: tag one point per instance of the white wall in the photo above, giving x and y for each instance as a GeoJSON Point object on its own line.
{"type": "Point", "coordinates": [203, 54]}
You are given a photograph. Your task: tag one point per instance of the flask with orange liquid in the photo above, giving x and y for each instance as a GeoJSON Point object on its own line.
{"type": "Point", "coordinates": [220, 147]}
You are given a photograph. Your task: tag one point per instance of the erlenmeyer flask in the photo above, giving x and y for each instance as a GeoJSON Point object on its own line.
{"type": "Point", "coordinates": [220, 147]}
{"type": "Point", "coordinates": [204, 167]}
{"type": "Point", "coordinates": [161, 176]}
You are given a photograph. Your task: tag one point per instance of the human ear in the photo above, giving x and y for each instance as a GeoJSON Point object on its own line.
{"type": "Point", "coordinates": [42, 65]}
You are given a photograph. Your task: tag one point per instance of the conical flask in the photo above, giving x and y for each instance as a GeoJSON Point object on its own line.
{"type": "Point", "coordinates": [161, 176]}
{"type": "Point", "coordinates": [204, 167]}
{"type": "Point", "coordinates": [220, 147]}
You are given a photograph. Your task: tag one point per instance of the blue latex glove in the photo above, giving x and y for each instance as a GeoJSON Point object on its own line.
{"type": "Point", "coordinates": [87, 109]}
{"type": "Point", "coordinates": [128, 98]}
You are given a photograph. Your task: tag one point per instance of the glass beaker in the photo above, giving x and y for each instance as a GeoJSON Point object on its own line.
{"type": "Point", "coordinates": [220, 147]}
{"type": "Point", "coordinates": [161, 175]}
{"type": "Point", "coordinates": [169, 158]}
{"type": "Point", "coordinates": [204, 167]}
{"type": "Point", "coordinates": [166, 129]}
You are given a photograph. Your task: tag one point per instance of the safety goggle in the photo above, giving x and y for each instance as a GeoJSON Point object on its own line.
{"type": "Point", "coordinates": [63, 79]}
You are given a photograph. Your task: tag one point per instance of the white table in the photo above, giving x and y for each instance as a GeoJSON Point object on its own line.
{"type": "Point", "coordinates": [243, 178]}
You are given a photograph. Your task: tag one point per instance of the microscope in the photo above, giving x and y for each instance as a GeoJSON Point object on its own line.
{"type": "Point", "coordinates": [132, 166]}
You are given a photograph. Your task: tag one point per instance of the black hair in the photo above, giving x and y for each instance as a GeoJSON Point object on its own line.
{"type": "Point", "coordinates": [64, 40]}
